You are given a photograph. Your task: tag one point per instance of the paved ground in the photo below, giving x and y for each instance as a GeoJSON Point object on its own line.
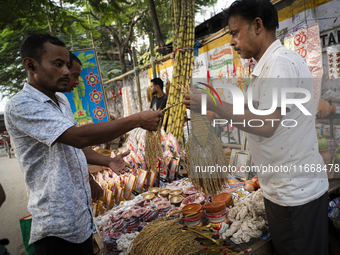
{"type": "Point", "coordinates": [15, 206]}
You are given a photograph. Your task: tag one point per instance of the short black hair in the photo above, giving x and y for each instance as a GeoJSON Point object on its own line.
{"type": "Point", "coordinates": [251, 9]}
{"type": "Point", "coordinates": [75, 58]}
{"type": "Point", "coordinates": [159, 82]}
{"type": "Point", "coordinates": [33, 45]}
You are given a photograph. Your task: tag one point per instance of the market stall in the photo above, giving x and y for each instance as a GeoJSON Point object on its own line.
{"type": "Point", "coordinates": [132, 201]}
{"type": "Point", "coordinates": [153, 209]}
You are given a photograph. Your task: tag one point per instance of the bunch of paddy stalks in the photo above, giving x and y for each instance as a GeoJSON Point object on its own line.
{"type": "Point", "coordinates": [168, 237]}
{"type": "Point", "coordinates": [203, 153]}
{"type": "Point", "coordinates": [153, 149]}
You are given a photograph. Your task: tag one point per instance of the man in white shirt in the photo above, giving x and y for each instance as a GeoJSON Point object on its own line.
{"type": "Point", "coordinates": [284, 142]}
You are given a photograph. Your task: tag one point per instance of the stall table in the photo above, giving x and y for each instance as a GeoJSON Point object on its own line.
{"type": "Point", "coordinates": [257, 245]}
{"type": "Point", "coordinates": [95, 169]}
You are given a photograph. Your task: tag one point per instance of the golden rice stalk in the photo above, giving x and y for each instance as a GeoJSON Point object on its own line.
{"type": "Point", "coordinates": [153, 149]}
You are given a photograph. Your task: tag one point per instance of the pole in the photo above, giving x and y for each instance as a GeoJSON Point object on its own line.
{"type": "Point", "coordinates": [152, 51]}
{"type": "Point", "coordinates": [164, 58]}
{"type": "Point", "coordinates": [134, 57]}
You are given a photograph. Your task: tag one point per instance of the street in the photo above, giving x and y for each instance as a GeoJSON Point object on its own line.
{"type": "Point", "coordinates": [15, 206]}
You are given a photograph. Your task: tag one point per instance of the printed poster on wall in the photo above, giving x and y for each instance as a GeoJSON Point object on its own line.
{"type": "Point", "coordinates": [314, 61]}
{"type": "Point", "coordinates": [305, 41]}
{"type": "Point", "coordinates": [164, 71]}
{"type": "Point", "coordinates": [333, 53]}
{"type": "Point", "coordinates": [199, 68]}
{"type": "Point", "coordinates": [297, 40]}
{"type": "Point", "coordinates": [220, 61]}
{"type": "Point", "coordinates": [220, 66]}
{"type": "Point", "coordinates": [87, 99]}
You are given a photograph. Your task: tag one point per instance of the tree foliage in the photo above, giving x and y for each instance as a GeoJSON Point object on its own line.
{"type": "Point", "coordinates": [114, 26]}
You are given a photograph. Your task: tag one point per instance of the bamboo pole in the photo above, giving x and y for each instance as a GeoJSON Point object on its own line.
{"type": "Point", "coordinates": [166, 57]}
{"type": "Point", "coordinates": [134, 57]}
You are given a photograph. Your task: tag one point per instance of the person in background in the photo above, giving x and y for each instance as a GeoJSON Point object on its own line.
{"type": "Point", "coordinates": [158, 102]}
{"type": "Point", "coordinates": [92, 157]}
{"type": "Point", "coordinates": [295, 200]}
{"type": "Point", "coordinates": [49, 147]}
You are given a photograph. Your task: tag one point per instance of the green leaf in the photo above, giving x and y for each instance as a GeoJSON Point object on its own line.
{"type": "Point", "coordinates": [82, 89]}
{"type": "Point", "coordinates": [89, 56]}
{"type": "Point", "coordinates": [85, 65]}
{"type": "Point", "coordinates": [82, 57]}
{"type": "Point", "coordinates": [92, 65]}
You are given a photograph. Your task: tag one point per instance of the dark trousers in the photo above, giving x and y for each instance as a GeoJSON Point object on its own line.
{"type": "Point", "coordinates": [52, 245]}
{"type": "Point", "coordinates": [298, 230]}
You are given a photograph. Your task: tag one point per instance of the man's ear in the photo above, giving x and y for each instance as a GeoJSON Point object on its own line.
{"type": "Point", "coordinates": [258, 25]}
{"type": "Point", "coordinates": [30, 65]}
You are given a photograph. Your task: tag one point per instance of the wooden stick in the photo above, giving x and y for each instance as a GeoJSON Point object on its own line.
{"type": "Point", "coordinates": [169, 107]}
{"type": "Point", "coordinates": [173, 213]}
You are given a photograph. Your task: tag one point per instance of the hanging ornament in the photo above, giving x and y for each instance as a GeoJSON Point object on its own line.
{"type": "Point", "coordinates": [119, 91]}
{"type": "Point", "coordinates": [113, 95]}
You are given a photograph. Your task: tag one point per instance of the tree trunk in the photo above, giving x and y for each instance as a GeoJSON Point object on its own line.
{"type": "Point", "coordinates": [121, 50]}
{"type": "Point", "coordinates": [48, 20]}
{"type": "Point", "coordinates": [156, 28]}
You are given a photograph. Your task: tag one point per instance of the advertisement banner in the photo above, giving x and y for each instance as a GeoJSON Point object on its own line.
{"type": "Point", "coordinates": [220, 61]}
{"type": "Point", "coordinates": [87, 99]}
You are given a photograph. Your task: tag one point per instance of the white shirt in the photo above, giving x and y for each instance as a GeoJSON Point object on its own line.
{"type": "Point", "coordinates": [290, 148]}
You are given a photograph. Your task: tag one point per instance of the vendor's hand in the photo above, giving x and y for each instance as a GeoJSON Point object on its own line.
{"type": "Point", "coordinates": [212, 115]}
{"type": "Point", "coordinates": [118, 165]}
{"type": "Point", "coordinates": [150, 120]}
{"type": "Point", "coordinates": [96, 190]}
{"type": "Point", "coordinates": [192, 101]}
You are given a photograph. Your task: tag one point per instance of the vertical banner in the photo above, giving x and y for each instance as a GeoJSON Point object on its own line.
{"type": "Point", "coordinates": [87, 99]}
{"type": "Point", "coordinates": [305, 41]}
{"type": "Point", "coordinates": [333, 53]}
{"type": "Point", "coordinates": [314, 60]}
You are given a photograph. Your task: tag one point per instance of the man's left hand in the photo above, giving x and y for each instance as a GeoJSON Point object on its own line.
{"type": "Point", "coordinates": [118, 165]}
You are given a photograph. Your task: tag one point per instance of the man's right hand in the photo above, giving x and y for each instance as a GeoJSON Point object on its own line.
{"type": "Point", "coordinates": [150, 120]}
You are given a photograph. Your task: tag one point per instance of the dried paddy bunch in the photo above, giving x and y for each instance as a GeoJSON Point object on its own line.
{"type": "Point", "coordinates": [164, 237]}
{"type": "Point", "coordinates": [153, 149]}
{"type": "Point", "coordinates": [205, 152]}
